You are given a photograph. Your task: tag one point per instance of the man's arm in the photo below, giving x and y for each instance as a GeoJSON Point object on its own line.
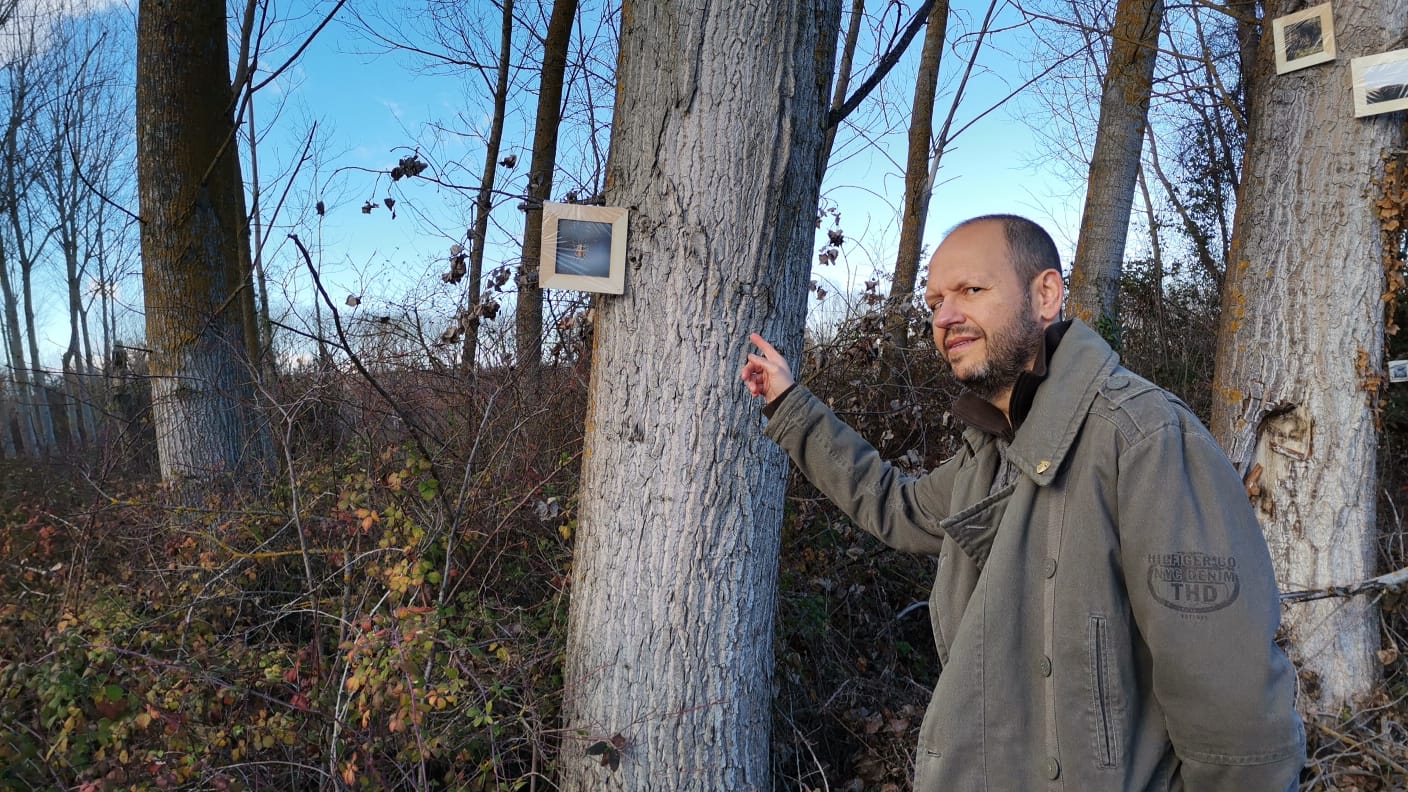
{"type": "Point", "coordinates": [902, 512]}
{"type": "Point", "coordinates": [1204, 596]}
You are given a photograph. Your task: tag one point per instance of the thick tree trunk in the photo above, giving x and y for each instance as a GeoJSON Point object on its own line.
{"type": "Point", "coordinates": [197, 285]}
{"type": "Point", "coordinates": [528, 318]}
{"type": "Point", "coordinates": [484, 201]}
{"type": "Point", "coordinates": [1114, 164]}
{"type": "Point", "coordinates": [718, 128]}
{"type": "Point", "coordinates": [918, 186]}
{"type": "Point", "coordinates": [1302, 338]}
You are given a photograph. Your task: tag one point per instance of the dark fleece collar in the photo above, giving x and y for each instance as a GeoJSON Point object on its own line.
{"type": "Point", "coordinates": [983, 416]}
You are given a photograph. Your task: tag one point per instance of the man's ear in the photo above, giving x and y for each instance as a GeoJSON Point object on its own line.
{"type": "Point", "coordinates": [1049, 292]}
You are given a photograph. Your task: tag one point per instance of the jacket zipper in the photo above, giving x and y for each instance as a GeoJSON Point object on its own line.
{"type": "Point", "coordinates": [1102, 692]}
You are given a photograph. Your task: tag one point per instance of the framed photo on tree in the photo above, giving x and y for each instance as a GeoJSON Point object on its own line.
{"type": "Point", "coordinates": [584, 248]}
{"type": "Point", "coordinates": [1304, 38]}
{"type": "Point", "coordinates": [1380, 82]}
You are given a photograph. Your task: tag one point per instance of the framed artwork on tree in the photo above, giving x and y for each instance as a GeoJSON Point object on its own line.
{"type": "Point", "coordinates": [1304, 38]}
{"type": "Point", "coordinates": [584, 248]}
{"type": "Point", "coordinates": [1380, 82]}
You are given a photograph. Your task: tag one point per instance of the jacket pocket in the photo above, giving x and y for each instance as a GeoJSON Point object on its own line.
{"type": "Point", "coordinates": [1105, 694]}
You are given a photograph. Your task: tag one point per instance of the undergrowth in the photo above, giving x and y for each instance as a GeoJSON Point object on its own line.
{"type": "Point", "coordinates": [380, 620]}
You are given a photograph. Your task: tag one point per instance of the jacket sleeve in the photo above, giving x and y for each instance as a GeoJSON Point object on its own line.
{"type": "Point", "coordinates": [903, 512]}
{"type": "Point", "coordinates": [1204, 597]}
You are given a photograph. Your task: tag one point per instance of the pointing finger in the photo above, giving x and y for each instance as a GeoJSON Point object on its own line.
{"type": "Point", "coordinates": [769, 351]}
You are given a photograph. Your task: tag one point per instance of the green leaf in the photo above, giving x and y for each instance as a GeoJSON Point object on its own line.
{"type": "Point", "coordinates": [428, 488]}
{"type": "Point", "coordinates": [598, 748]}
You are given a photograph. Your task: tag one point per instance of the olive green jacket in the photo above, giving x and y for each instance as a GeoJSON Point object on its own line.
{"type": "Point", "coordinates": [1105, 621]}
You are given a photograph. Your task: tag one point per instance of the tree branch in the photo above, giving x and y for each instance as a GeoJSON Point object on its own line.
{"type": "Point", "coordinates": [887, 62]}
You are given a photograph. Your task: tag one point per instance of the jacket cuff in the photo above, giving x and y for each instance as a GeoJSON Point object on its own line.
{"type": "Point", "coordinates": [771, 407]}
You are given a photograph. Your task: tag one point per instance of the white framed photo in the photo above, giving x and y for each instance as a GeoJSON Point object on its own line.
{"type": "Point", "coordinates": [1398, 371]}
{"type": "Point", "coordinates": [584, 248]}
{"type": "Point", "coordinates": [1380, 82]}
{"type": "Point", "coordinates": [1304, 38]}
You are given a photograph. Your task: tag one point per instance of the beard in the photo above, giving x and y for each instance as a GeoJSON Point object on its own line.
{"type": "Point", "coordinates": [1010, 349]}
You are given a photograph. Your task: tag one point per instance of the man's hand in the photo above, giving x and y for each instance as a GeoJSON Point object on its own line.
{"type": "Point", "coordinates": [766, 375]}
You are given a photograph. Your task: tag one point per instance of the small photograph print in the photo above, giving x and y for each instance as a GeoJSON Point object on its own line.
{"type": "Point", "coordinates": [583, 248]}
{"type": "Point", "coordinates": [1305, 38]}
{"type": "Point", "coordinates": [1380, 82]}
{"type": "Point", "coordinates": [1398, 371]}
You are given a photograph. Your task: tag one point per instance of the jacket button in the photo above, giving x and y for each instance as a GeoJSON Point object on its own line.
{"type": "Point", "coordinates": [1053, 769]}
{"type": "Point", "coordinates": [1043, 466]}
{"type": "Point", "coordinates": [1048, 567]}
{"type": "Point", "coordinates": [1045, 666]}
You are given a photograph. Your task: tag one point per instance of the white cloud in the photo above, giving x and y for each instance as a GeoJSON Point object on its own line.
{"type": "Point", "coordinates": [30, 28]}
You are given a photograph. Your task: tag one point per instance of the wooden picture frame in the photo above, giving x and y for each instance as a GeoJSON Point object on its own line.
{"type": "Point", "coordinates": [584, 248]}
{"type": "Point", "coordinates": [1380, 82]}
{"type": "Point", "coordinates": [1304, 38]}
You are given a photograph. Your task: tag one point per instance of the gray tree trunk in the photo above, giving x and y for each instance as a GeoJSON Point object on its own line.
{"type": "Point", "coordinates": [1302, 337]}
{"type": "Point", "coordinates": [715, 149]}
{"type": "Point", "coordinates": [1114, 164]}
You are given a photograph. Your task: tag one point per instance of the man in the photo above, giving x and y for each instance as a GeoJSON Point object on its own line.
{"type": "Point", "coordinates": [1105, 606]}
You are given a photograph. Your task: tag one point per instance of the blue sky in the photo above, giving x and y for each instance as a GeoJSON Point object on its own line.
{"type": "Point", "coordinates": [374, 107]}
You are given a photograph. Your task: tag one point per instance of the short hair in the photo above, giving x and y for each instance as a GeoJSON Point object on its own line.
{"type": "Point", "coordinates": [1028, 245]}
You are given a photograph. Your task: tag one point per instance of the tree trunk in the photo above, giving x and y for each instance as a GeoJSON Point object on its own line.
{"type": "Point", "coordinates": [1301, 342]}
{"type": "Point", "coordinates": [20, 394]}
{"type": "Point", "coordinates": [843, 77]}
{"type": "Point", "coordinates": [197, 285]}
{"type": "Point", "coordinates": [1114, 164]}
{"type": "Point", "coordinates": [484, 202]}
{"type": "Point", "coordinates": [715, 149]}
{"type": "Point", "coordinates": [917, 185]}
{"type": "Point", "coordinates": [266, 359]}
{"type": "Point", "coordinates": [528, 318]}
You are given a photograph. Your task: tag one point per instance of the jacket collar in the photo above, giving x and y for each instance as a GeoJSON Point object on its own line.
{"type": "Point", "coordinates": [1076, 368]}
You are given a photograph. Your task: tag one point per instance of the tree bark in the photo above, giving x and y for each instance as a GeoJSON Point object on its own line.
{"type": "Point", "coordinates": [918, 187]}
{"type": "Point", "coordinates": [528, 318]}
{"type": "Point", "coordinates": [1301, 341]}
{"type": "Point", "coordinates": [843, 77]}
{"type": "Point", "coordinates": [21, 394]}
{"type": "Point", "coordinates": [197, 283]}
{"type": "Point", "coordinates": [718, 126]}
{"type": "Point", "coordinates": [1114, 164]}
{"type": "Point", "coordinates": [484, 201]}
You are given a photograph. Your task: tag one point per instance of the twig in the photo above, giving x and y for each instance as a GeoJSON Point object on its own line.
{"type": "Point", "coordinates": [887, 62]}
{"type": "Point", "coordinates": [417, 434]}
{"type": "Point", "coordinates": [1390, 581]}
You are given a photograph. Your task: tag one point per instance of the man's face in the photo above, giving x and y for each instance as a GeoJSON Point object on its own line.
{"type": "Point", "coordinates": [985, 319]}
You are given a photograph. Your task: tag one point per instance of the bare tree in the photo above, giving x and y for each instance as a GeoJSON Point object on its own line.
{"type": "Point", "coordinates": [199, 295]}
{"type": "Point", "coordinates": [484, 201]}
{"type": "Point", "coordinates": [528, 318]}
{"type": "Point", "coordinates": [918, 186]}
{"type": "Point", "coordinates": [719, 122]}
{"type": "Point", "coordinates": [1114, 163]}
{"type": "Point", "coordinates": [1301, 341]}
